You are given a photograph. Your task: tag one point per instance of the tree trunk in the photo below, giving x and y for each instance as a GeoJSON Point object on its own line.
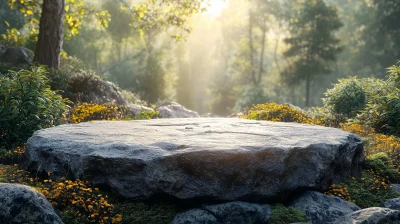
{"type": "Point", "coordinates": [261, 69]}
{"type": "Point", "coordinates": [51, 34]}
{"type": "Point", "coordinates": [308, 90]}
{"type": "Point", "coordinates": [251, 47]}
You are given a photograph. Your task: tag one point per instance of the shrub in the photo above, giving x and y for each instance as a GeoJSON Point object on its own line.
{"type": "Point", "coordinates": [382, 111]}
{"type": "Point", "coordinates": [279, 113]}
{"type": "Point", "coordinates": [347, 98]}
{"type": "Point", "coordinates": [371, 190]}
{"type": "Point", "coordinates": [375, 143]}
{"type": "Point", "coordinates": [325, 117]}
{"type": "Point", "coordinates": [381, 165]}
{"type": "Point", "coordinates": [27, 104]}
{"type": "Point", "coordinates": [131, 97]}
{"type": "Point", "coordinates": [283, 215]}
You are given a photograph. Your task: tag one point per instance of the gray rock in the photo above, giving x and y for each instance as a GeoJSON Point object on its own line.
{"type": "Point", "coordinates": [215, 158]}
{"type": "Point", "coordinates": [392, 203]}
{"type": "Point", "coordinates": [175, 110]}
{"type": "Point", "coordinates": [240, 212]}
{"type": "Point", "coordinates": [229, 213]}
{"type": "Point", "coordinates": [195, 216]}
{"type": "Point", "coordinates": [321, 208]}
{"type": "Point", "coordinates": [376, 215]}
{"type": "Point", "coordinates": [371, 216]}
{"type": "Point", "coordinates": [22, 204]}
{"type": "Point", "coordinates": [209, 115]}
{"type": "Point", "coordinates": [396, 187]}
{"type": "Point", "coordinates": [136, 110]}
{"type": "Point", "coordinates": [16, 56]}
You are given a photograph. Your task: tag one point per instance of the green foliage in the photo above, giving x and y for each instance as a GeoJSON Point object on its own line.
{"type": "Point", "coordinates": [251, 95]}
{"type": "Point", "coordinates": [382, 166]}
{"type": "Point", "coordinates": [371, 190]}
{"type": "Point", "coordinates": [325, 117]}
{"type": "Point", "coordinates": [6, 68]}
{"type": "Point", "coordinates": [140, 213]}
{"type": "Point", "coordinates": [92, 112]}
{"type": "Point", "coordinates": [279, 113]}
{"type": "Point", "coordinates": [312, 42]}
{"type": "Point", "coordinates": [27, 104]}
{"type": "Point", "coordinates": [347, 98]}
{"type": "Point", "coordinates": [382, 111]}
{"type": "Point", "coordinates": [283, 215]}
{"type": "Point", "coordinates": [131, 97]}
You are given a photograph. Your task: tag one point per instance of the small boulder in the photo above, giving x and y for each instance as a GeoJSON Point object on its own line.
{"type": "Point", "coordinates": [136, 110]}
{"type": "Point", "coordinates": [175, 110]}
{"type": "Point", "coordinates": [240, 212]}
{"type": "Point", "coordinates": [321, 208]}
{"type": "Point", "coordinates": [228, 213]}
{"type": "Point", "coordinates": [17, 56]}
{"type": "Point", "coordinates": [22, 204]}
{"type": "Point", "coordinates": [195, 216]}
{"type": "Point", "coordinates": [392, 204]}
{"type": "Point", "coordinates": [371, 216]}
{"type": "Point", "coordinates": [396, 187]}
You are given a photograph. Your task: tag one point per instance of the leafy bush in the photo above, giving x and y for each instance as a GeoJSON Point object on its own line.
{"type": "Point", "coordinates": [325, 117]}
{"type": "Point", "coordinates": [27, 104]}
{"type": "Point", "coordinates": [371, 190]}
{"type": "Point", "coordinates": [131, 97]}
{"type": "Point", "coordinates": [80, 84]}
{"type": "Point", "coordinates": [382, 111]}
{"type": "Point", "coordinates": [347, 98]}
{"type": "Point", "coordinates": [283, 215]}
{"type": "Point", "coordinates": [279, 113]}
{"type": "Point", "coordinates": [383, 167]}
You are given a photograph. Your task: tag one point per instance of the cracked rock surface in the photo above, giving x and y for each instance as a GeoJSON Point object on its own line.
{"type": "Point", "coordinates": [214, 158]}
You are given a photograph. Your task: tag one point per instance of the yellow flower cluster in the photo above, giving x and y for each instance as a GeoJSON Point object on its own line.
{"type": "Point", "coordinates": [12, 156]}
{"type": "Point", "coordinates": [375, 143]}
{"type": "Point", "coordinates": [76, 198]}
{"type": "Point", "coordinates": [340, 191]}
{"type": "Point", "coordinates": [278, 113]}
{"type": "Point", "coordinates": [90, 112]}
{"type": "Point", "coordinates": [370, 181]}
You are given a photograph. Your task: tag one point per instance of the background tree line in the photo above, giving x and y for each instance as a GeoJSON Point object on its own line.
{"type": "Point", "coordinates": [285, 51]}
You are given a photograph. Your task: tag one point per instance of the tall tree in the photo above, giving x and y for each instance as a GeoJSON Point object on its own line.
{"type": "Point", "coordinates": [312, 43]}
{"type": "Point", "coordinates": [148, 15]}
{"type": "Point", "coordinates": [51, 35]}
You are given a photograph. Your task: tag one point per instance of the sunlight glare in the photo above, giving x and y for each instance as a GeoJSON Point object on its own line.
{"type": "Point", "coordinates": [216, 6]}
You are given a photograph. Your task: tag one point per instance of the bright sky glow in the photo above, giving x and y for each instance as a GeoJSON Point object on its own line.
{"type": "Point", "coordinates": [216, 7]}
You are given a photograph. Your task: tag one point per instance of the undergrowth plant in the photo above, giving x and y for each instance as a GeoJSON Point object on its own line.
{"type": "Point", "coordinates": [278, 113]}
{"type": "Point", "coordinates": [92, 112]}
{"type": "Point", "coordinates": [75, 200]}
{"type": "Point", "coordinates": [27, 104]}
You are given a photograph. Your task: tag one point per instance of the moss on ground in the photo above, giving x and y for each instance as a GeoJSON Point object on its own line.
{"type": "Point", "coordinates": [283, 215]}
{"type": "Point", "coordinates": [140, 213]}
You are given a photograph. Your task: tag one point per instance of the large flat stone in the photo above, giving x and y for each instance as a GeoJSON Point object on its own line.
{"type": "Point", "coordinates": [214, 158]}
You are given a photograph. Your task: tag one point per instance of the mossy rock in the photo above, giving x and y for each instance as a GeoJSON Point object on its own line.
{"type": "Point", "coordinates": [283, 215]}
